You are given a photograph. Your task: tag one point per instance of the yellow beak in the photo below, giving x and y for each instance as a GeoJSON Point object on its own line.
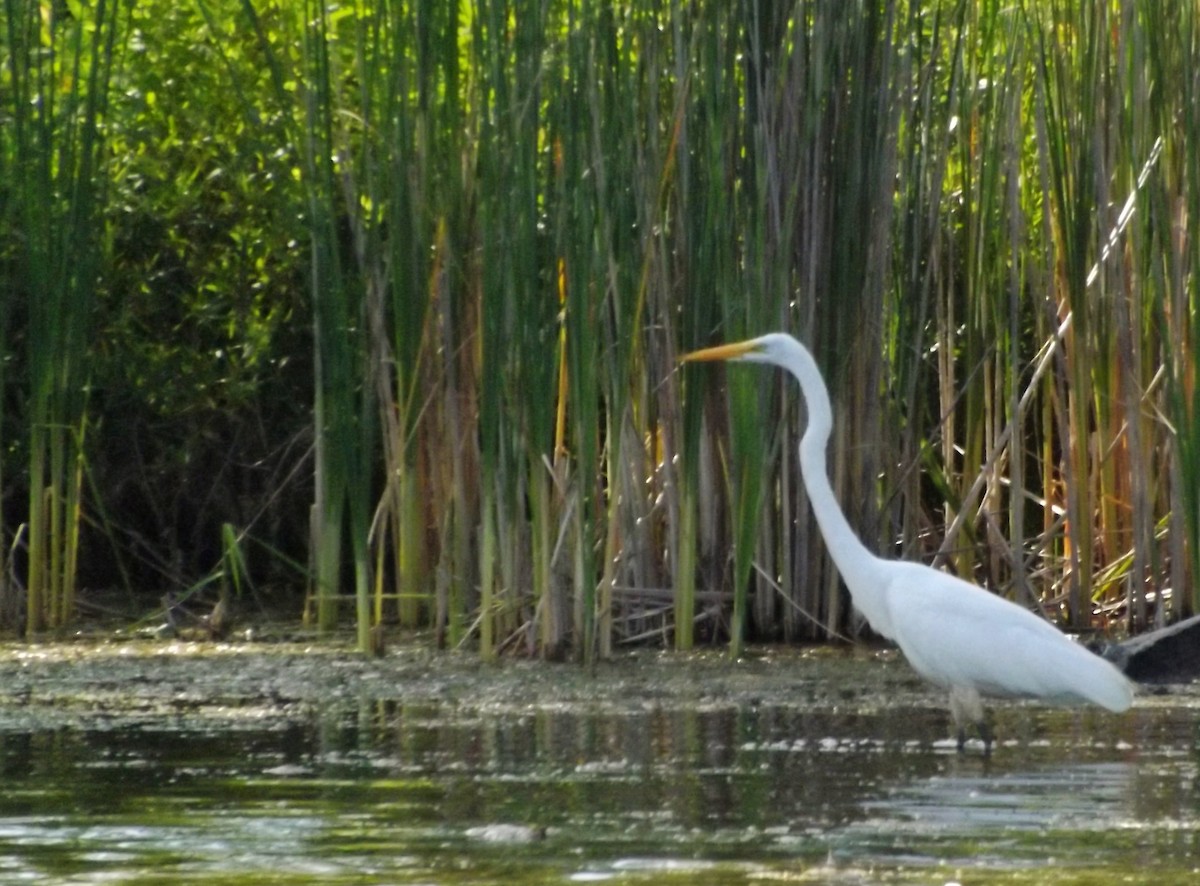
{"type": "Point", "coordinates": [720, 352]}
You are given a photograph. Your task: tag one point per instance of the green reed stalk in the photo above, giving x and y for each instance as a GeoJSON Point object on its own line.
{"type": "Point", "coordinates": [852, 220]}
{"type": "Point", "coordinates": [520, 295]}
{"type": "Point", "coordinates": [1173, 53]}
{"type": "Point", "coordinates": [746, 288]}
{"type": "Point", "coordinates": [9, 602]}
{"type": "Point", "coordinates": [59, 70]}
{"type": "Point", "coordinates": [1071, 73]}
{"type": "Point", "coordinates": [990, 308]}
{"type": "Point", "coordinates": [592, 304]}
{"type": "Point", "coordinates": [1186, 290]}
{"type": "Point", "coordinates": [343, 426]}
{"type": "Point", "coordinates": [329, 481]}
{"type": "Point", "coordinates": [413, 108]}
{"type": "Point", "coordinates": [686, 207]}
{"type": "Point", "coordinates": [1139, 128]}
{"type": "Point", "coordinates": [599, 72]}
{"type": "Point", "coordinates": [499, 474]}
{"type": "Point", "coordinates": [710, 256]}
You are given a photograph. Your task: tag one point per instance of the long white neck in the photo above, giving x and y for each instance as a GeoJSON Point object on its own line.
{"type": "Point", "coordinates": [858, 566]}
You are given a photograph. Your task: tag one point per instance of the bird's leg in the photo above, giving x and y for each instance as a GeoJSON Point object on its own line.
{"type": "Point", "coordinates": [985, 734]}
{"type": "Point", "coordinates": [966, 708]}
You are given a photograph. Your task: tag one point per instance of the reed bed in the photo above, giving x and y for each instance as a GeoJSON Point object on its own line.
{"type": "Point", "coordinates": [519, 215]}
{"type": "Point", "coordinates": [58, 67]}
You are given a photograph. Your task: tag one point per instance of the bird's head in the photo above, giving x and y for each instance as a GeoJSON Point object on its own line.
{"type": "Point", "coordinates": [764, 349]}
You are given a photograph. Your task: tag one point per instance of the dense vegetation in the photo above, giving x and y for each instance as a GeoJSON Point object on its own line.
{"type": "Point", "coordinates": [377, 306]}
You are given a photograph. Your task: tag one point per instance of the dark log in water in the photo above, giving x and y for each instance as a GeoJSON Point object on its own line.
{"type": "Point", "coordinates": [1168, 655]}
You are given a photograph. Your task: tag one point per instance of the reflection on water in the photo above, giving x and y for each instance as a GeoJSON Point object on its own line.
{"type": "Point", "coordinates": [451, 792]}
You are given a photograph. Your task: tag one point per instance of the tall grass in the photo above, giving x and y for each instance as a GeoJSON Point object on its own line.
{"type": "Point", "coordinates": [1160, 65]}
{"type": "Point", "coordinates": [549, 206]}
{"type": "Point", "coordinates": [339, 332]}
{"type": "Point", "coordinates": [518, 215]}
{"type": "Point", "coordinates": [59, 66]}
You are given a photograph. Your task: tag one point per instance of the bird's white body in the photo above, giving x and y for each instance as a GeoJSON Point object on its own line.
{"type": "Point", "coordinates": [986, 643]}
{"type": "Point", "coordinates": [952, 632]}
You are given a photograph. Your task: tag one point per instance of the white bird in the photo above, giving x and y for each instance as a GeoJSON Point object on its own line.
{"type": "Point", "coordinates": [953, 633]}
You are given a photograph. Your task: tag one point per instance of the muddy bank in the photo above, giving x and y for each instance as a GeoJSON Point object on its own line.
{"type": "Point", "coordinates": [97, 684]}
{"type": "Point", "coordinates": [93, 683]}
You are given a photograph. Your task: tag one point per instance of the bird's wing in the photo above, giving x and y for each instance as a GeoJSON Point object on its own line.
{"type": "Point", "coordinates": [956, 634]}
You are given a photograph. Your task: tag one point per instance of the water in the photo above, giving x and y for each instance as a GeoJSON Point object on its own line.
{"type": "Point", "coordinates": [139, 769]}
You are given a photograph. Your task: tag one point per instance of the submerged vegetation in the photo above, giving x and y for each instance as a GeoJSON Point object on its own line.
{"type": "Point", "coordinates": [442, 256]}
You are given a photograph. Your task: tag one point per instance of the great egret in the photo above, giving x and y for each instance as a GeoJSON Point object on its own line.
{"type": "Point", "coordinates": [952, 632]}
